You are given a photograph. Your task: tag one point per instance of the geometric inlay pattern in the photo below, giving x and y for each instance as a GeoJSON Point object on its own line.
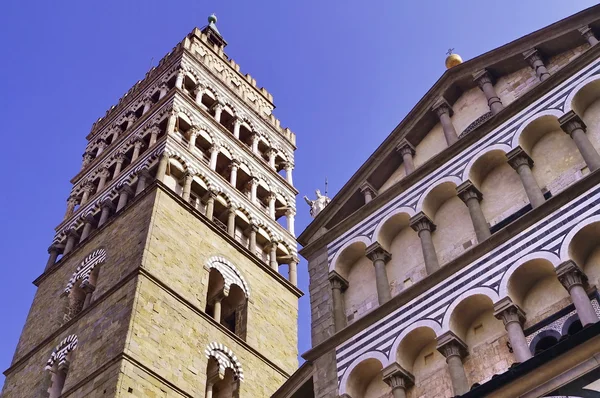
{"type": "Point", "coordinates": [61, 351]}
{"type": "Point", "coordinates": [86, 267]}
{"type": "Point", "coordinates": [226, 360]}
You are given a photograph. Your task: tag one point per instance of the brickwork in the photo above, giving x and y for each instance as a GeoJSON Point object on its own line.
{"type": "Point", "coordinates": [321, 303]}
{"type": "Point", "coordinates": [325, 376]}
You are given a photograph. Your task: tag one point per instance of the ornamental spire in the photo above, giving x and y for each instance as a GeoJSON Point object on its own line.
{"type": "Point", "coordinates": [213, 34]}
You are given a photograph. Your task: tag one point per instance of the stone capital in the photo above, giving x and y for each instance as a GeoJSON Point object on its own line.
{"type": "Point", "coordinates": [532, 55]}
{"type": "Point", "coordinates": [420, 222]}
{"type": "Point", "coordinates": [107, 203]}
{"type": "Point", "coordinates": [72, 232]}
{"type": "Point", "coordinates": [219, 296]}
{"type": "Point", "coordinates": [377, 253]}
{"type": "Point", "coordinates": [442, 106]}
{"type": "Point", "coordinates": [405, 147]}
{"type": "Point", "coordinates": [120, 157]}
{"type": "Point", "coordinates": [508, 312]}
{"type": "Point", "coordinates": [87, 156]}
{"type": "Point", "coordinates": [101, 142]}
{"type": "Point", "coordinates": [126, 189]}
{"type": "Point", "coordinates": [449, 344]}
{"type": "Point", "coordinates": [253, 228]}
{"type": "Point", "coordinates": [103, 172]}
{"type": "Point", "coordinates": [467, 191]}
{"type": "Point", "coordinates": [211, 194]}
{"type": "Point", "coordinates": [235, 163]}
{"type": "Point", "coordinates": [55, 247]}
{"type": "Point", "coordinates": [88, 218]}
{"type": "Point", "coordinates": [483, 77]}
{"type": "Point", "coordinates": [72, 199]}
{"type": "Point", "coordinates": [87, 286]}
{"type": "Point", "coordinates": [585, 31]}
{"type": "Point", "coordinates": [366, 187]}
{"type": "Point", "coordinates": [570, 121]}
{"type": "Point", "coordinates": [88, 187]}
{"type": "Point", "coordinates": [396, 376]}
{"type": "Point", "coordinates": [569, 275]}
{"type": "Point", "coordinates": [147, 101]}
{"type": "Point", "coordinates": [518, 157]}
{"type": "Point", "coordinates": [144, 173]}
{"type": "Point", "coordinates": [337, 281]}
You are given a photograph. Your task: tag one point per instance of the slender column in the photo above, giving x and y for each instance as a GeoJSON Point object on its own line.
{"type": "Point", "coordinates": [573, 279]}
{"type": "Point", "coordinates": [217, 306]}
{"type": "Point", "coordinates": [254, 142]}
{"type": "Point", "coordinates": [209, 390]}
{"type": "Point", "coordinates": [87, 188]}
{"type": "Point", "coordinates": [164, 89]}
{"type": "Point", "coordinates": [572, 124]}
{"type": "Point", "coordinates": [192, 141]}
{"type": "Point", "coordinates": [424, 227]}
{"type": "Point", "coordinates": [471, 197]}
{"type": "Point", "coordinates": [380, 257]}
{"type": "Point", "coordinates": [273, 256]}
{"type": "Point", "coordinates": [534, 59]}
{"type": "Point", "coordinates": [290, 213]}
{"type": "Point", "coordinates": [231, 221]}
{"type": "Point", "coordinates": [444, 111]}
{"type": "Point", "coordinates": [338, 286]}
{"type": "Point", "coordinates": [218, 111]}
{"type": "Point", "coordinates": [407, 151]}
{"type": "Point", "coordinates": [293, 272]}
{"type": "Point", "coordinates": [484, 80]}
{"type": "Point", "coordinates": [107, 207]}
{"type": "Point", "coordinates": [522, 163]}
{"type": "Point", "coordinates": [199, 92]}
{"type": "Point", "coordinates": [87, 227]}
{"type": "Point", "coordinates": [119, 159]}
{"type": "Point", "coordinates": [253, 232]}
{"type": "Point", "coordinates": [271, 154]}
{"type": "Point", "coordinates": [513, 318]}
{"type": "Point", "coordinates": [398, 378]}
{"type": "Point", "coordinates": [253, 188]}
{"type": "Point", "coordinates": [162, 167]}
{"type": "Point", "coordinates": [454, 349]}
{"type": "Point", "coordinates": [115, 134]}
{"type": "Point", "coordinates": [88, 288]}
{"type": "Point", "coordinates": [58, 380]}
{"type": "Point", "coordinates": [87, 159]}
{"type": "Point", "coordinates": [154, 132]}
{"type": "Point", "coordinates": [271, 198]}
{"type": "Point", "coordinates": [587, 34]}
{"type": "Point", "coordinates": [179, 79]}
{"type": "Point", "coordinates": [236, 128]}
{"type": "Point", "coordinates": [235, 164]}
{"type": "Point", "coordinates": [172, 122]}
{"type": "Point", "coordinates": [289, 167]}
{"type": "Point", "coordinates": [214, 152]}
{"type": "Point", "coordinates": [210, 204]}
{"type": "Point", "coordinates": [142, 183]}
{"type": "Point", "coordinates": [368, 191]}
{"type": "Point", "coordinates": [101, 146]}
{"type": "Point", "coordinates": [72, 237]}
{"type": "Point", "coordinates": [103, 174]}
{"type": "Point", "coordinates": [187, 186]}
{"type": "Point", "coordinates": [71, 202]}
{"type": "Point", "coordinates": [147, 104]}
{"type": "Point", "coordinates": [125, 192]}
{"type": "Point", "coordinates": [137, 147]}
{"type": "Point", "coordinates": [53, 251]}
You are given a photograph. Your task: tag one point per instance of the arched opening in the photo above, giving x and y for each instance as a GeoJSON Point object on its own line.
{"type": "Point", "coordinates": [227, 119]}
{"type": "Point", "coordinates": [198, 195]}
{"type": "Point", "coordinates": [59, 364]}
{"type": "Point", "coordinates": [221, 386]}
{"type": "Point", "coordinates": [263, 149]}
{"type": "Point", "coordinates": [574, 327]}
{"type": "Point", "coordinates": [189, 86]}
{"type": "Point", "coordinates": [209, 100]}
{"type": "Point", "coordinates": [223, 164]}
{"type": "Point", "coordinates": [473, 321]}
{"type": "Point", "coordinates": [365, 380]}
{"type": "Point", "coordinates": [246, 135]}
{"type": "Point", "coordinates": [202, 146]}
{"type": "Point", "coordinates": [584, 249]}
{"type": "Point", "coordinates": [174, 176]}
{"type": "Point", "coordinates": [543, 341]}
{"type": "Point", "coordinates": [234, 316]}
{"type": "Point", "coordinates": [418, 354]}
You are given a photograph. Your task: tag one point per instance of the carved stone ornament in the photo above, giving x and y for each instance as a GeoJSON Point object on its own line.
{"type": "Point", "coordinates": [317, 205]}
{"type": "Point", "coordinates": [420, 222]}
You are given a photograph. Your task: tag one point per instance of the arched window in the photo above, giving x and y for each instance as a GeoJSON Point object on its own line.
{"type": "Point", "coordinates": [58, 365]}
{"type": "Point", "coordinates": [572, 326]}
{"type": "Point", "coordinates": [82, 284]}
{"type": "Point", "coordinates": [227, 297]}
{"type": "Point", "coordinates": [544, 340]}
{"type": "Point", "coordinates": [224, 372]}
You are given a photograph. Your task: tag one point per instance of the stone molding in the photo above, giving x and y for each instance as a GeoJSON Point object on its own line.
{"type": "Point", "coordinates": [337, 281]}
{"type": "Point", "coordinates": [569, 275]}
{"type": "Point", "coordinates": [518, 157]}
{"type": "Point", "coordinates": [376, 252]}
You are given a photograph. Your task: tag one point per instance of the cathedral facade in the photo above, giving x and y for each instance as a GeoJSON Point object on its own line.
{"type": "Point", "coordinates": [163, 278]}
{"type": "Point", "coordinates": [463, 257]}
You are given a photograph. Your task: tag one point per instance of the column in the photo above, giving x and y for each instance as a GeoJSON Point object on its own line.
{"type": "Point", "coordinates": [58, 380]}
{"type": "Point", "coordinates": [143, 178]}
{"type": "Point", "coordinates": [253, 232]}
{"type": "Point", "coordinates": [587, 34]}
{"type": "Point", "coordinates": [164, 89]}
{"type": "Point", "coordinates": [293, 271]}
{"type": "Point", "coordinates": [290, 213]}
{"type": "Point", "coordinates": [101, 146]}
{"type": "Point", "coordinates": [87, 227]}
{"type": "Point", "coordinates": [484, 80]}
{"type": "Point", "coordinates": [534, 59]}
{"type": "Point", "coordinates": [398, 378]}
{"type": "Point", "coordinates": [87, 159]}
{"type": "Point", "coordinates": [209, 390]}
{"type": "Point", "coordinates": [522, 163]}
{"type": "Point", "coordinates": [454, 349]}
{"type": "Point", "coordinates": [119, 159]}
{"type": "Point", "coordinates": [53, 251]}
{"type": "Point", "coordinates": [172, 121]}
{"type": "Point", "coordinates": [444, 111]}
{"type": "Point", "coordinates": [162, 167]}
{"type": "Point", "coordinates": [107, 207]}
{"type": "Point", "coordinates": [187, 186]}
{"type": "Point", "coordinates": [368, 191]}
{"type": "Point", "coordinates": [214, 152]}
{"type": "Point", "coordinates": [130, 119]}
{"type": "Point", "coordinates": [88, 288]}
{"type": "Point", "coordinates": [407, 151]}
{"type": "Point", "coordinates": [273, 256]}
{"type": "Point", "coordinates": [71, 202]}
{"type": "Point", "coordinates": [137, 146]}
{"type": "Point", "coordinates": [72, 237]}
{"type": "Point", "coordinates": [236, 128]}
{"type": "Point", "coordinates": [254, 142]}
{"type": "Point", "coordinates": [513, 318]}
{"type": "Point", "coordinates": [154, 132]}
{"type": "Point", "coordinates": [424, 227]}
{"type": "Point", "coordinates": [217, 306]}
{"type": "Point", "coordinates": [572, 124]}
{"type": "Point", "coordinates": [210, 204]}
{"type": "Point", "coordinates": [573, 279]}
{"type": "Point", "coordinates": [147, 104]}
{"type": "Point", "coordinates": [271, 154]}
{"type": "Point", "coordinates": [218, 110]}
{"type": "Point", "coordinates": [338, 286]}
{"type": "Point", "coordinates": [87, 191]}
{"type": "Point", "coordinates": [125, 192]}
{"type": "Point", "coordinates": [103, 174]}
{"type": "Point", "coordinates": [271, 200]}
{"type": "Point", "coordinates": [179, 79]}
{"type": "Point", "coordinates": [235, 164]}
{"type": "Point", "coordinates": [199, 92]}
{"type": "Point", "coordinates": [472, 198]}
{"type": "Point", "coordinates": [231, 221]}
{"type": "Point", "coordinates": [253, 188]}
{"type": "Point", "coordinates": [289, 167]}
{"type": "Point", "coordinates": [192, 140]}
{"type": "Point", "coordinates": [380, 257]}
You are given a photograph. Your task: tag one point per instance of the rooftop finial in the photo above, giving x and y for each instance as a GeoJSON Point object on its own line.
{"type": "Point", "coordinates": [212, 18]}
{"type": "Point", "coordinates": [452, 59]}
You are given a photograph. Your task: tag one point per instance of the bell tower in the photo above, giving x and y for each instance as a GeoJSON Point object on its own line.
{"type": "Point", "coordinates": [173, 270]}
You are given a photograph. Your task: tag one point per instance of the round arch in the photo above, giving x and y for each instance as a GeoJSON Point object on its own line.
{"type": "Point", "coordinates": [370, 356]}
{"type": "Point", "coordinates": [437, 184]}
{"type": "Point", "coordinates": [359, 239]}
{"type": "Point", "coordinates": [482, 291]}
{"type": "Point", "coordinates": [547, 256]}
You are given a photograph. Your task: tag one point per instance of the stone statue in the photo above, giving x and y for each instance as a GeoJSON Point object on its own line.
{"type": "Point", "coordinates": [317, 205]}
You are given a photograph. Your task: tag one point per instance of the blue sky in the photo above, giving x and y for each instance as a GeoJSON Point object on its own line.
{"type": "Point", "coordinates": [343, 73]}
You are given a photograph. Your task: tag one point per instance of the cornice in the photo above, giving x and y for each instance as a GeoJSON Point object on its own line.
{"type": "Point", "coordinates": [451, 76]}
{"type": "Point", "coordinates": [451, 268]}
{"type": "Point", "coordinates": [432, 164]}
